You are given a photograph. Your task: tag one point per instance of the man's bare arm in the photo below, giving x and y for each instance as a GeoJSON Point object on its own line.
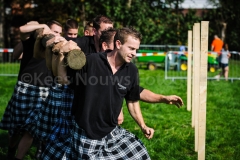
{"type": "Point", "coordinates": [150, 97]}
{"type": "Point", "coordinates": [26, 29]}
{"type": "Point", "coordinates": [135, 111]}
{"type": "Point", "coordinates": [17, 51]}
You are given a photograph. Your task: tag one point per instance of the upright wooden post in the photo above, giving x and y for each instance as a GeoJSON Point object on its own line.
{"type": "Point", "coordinates": [193, 78]}
{"type": "Point", "coordinates": [189, 72]}
{"type": "Point", "coordinates": [197, 76]}
{"type": "Point", "coordinates": [203, 90]}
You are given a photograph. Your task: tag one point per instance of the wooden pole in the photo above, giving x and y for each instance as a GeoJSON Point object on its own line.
{"type": "Point", "coordinates": [203, 90]}
{"type": "Point", "coordinates": [197, 72]}
{"type": "Point", "coordinates": [189, 72]}
{"type": "Point", "coordinates": [193, 78]}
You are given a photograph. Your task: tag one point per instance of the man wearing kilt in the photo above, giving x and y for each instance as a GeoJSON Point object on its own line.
{"type": "Point", "coordinates": [54, 119]}
{"type": "Point", "coordinates": [99, 89]}
{"type": "Point", "coordinates": [30, 92]}
{"type": "Point", "coordinates": [58, 144]}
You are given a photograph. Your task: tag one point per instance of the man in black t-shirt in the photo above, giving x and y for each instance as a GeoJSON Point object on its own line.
{"type": "Point", "coordinates": [106, 43]}
{"type": "Point", "coordinates": [99, 90]}
{"type": "Point", "coordinates": [91, 44]}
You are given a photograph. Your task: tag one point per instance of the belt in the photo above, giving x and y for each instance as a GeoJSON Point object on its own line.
{"type": "Point", "coordinates": [113, 133]}
{"type": "Point", "coordinates": [58, 85]}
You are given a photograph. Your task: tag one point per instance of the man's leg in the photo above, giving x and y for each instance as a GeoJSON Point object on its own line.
{"type": "Point", "coordinates": [12, 146]}
{"type": "Point", "coordinates": [226, 73]}
{"type": "Point", "coordinates": [24, 144]}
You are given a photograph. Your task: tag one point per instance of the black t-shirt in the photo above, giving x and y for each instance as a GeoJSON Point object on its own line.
{"type": "Point", "coordinates": [34, 71]}
{"type": "Point", "coordinates": [99, 94]}
{"type": "Point", "coordinates": [28, 52]}
{"type": "Point", "coordinates": [86, 43]}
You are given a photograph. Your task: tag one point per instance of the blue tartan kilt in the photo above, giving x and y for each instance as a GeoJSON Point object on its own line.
{"type": "Point", "coordinates": [54, 119]}
{"type": "Point", "coordinates": [27, 100]}
{"type": "Point", "coordinates": [119, 144]}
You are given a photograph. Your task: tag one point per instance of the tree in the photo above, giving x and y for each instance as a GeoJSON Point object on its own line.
{"type": "Point", "coordinates": [160, 22]}
{"type": "Point", "coordinates": [223, 21]}
{"type": "Point", "coordinates": [1, 23]}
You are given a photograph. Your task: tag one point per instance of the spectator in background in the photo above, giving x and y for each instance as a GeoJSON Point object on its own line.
{"type": "Point", "coordinates": [217, 44]}
{"type": "Point", "coordinates": [225, 55]}
{"type": "Point", "coordinates": [182, 48]}
{"type": "Point", "coordinates": [71, 28]}
{"type": "Point", "coordinates": [88, 29]}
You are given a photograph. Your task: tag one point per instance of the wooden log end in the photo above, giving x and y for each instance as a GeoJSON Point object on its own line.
{"type": "Point", "coordinates": [76, 59]}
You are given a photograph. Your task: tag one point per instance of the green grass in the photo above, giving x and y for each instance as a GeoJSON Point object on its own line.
{"type": "Point", "coordinates": [174, 136]}
{"type": "Point", "coordinates": [9, 68]}
{"type": "Point", "coordinates": [234, 70]}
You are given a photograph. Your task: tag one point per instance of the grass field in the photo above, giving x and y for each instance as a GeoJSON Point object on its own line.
{"type": "Point", "coordinates": [9, 68]}
{"type": "Point", "coordinates": [174, 136]}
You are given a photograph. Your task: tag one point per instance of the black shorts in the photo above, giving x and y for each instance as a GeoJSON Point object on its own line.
{"type": "Point", "coordinates": [223, 65]}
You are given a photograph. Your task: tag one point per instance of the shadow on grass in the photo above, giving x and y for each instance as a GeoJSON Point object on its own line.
{"type": "Point", "coordinates": [3, 145]}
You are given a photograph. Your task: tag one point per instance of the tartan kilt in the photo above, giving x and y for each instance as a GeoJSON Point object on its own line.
{"type": "Point", "coordinates": [54, 119]}
{"type": "Point", "coordinates": [119, 144]}
{"type": "Point", "coordinates": [27, 100]}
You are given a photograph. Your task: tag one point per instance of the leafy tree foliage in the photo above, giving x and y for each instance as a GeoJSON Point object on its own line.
{"type": "Point", "coordinates": [160, 22]}
{"type": "Point", "coordinates": [227, 12]}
